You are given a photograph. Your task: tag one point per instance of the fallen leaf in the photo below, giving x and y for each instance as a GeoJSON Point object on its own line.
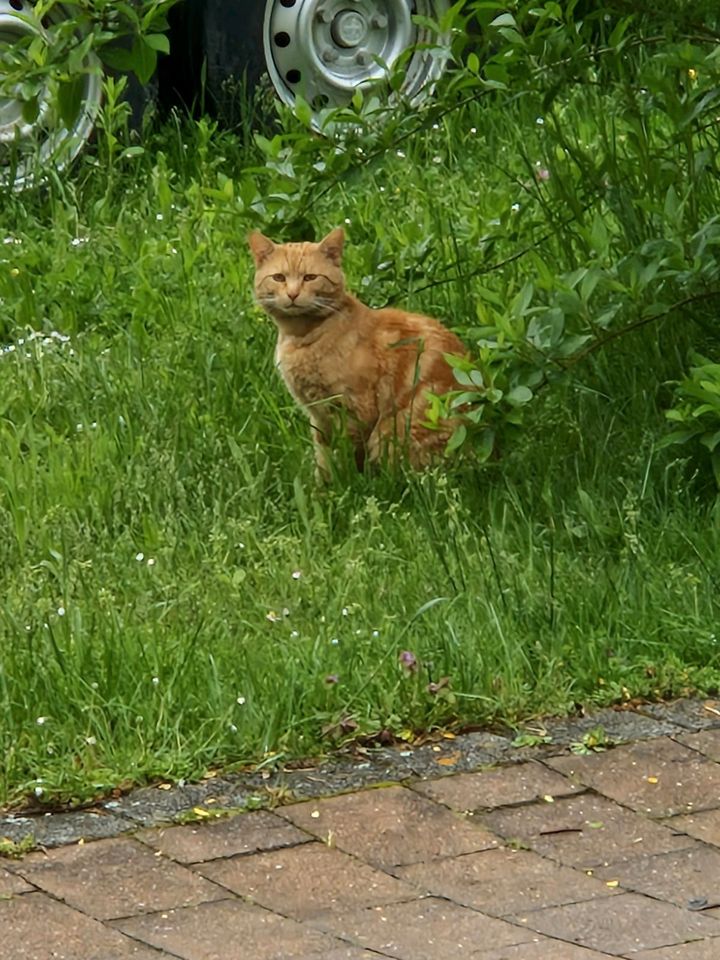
{"type": "Point", "coordinates": [548, 798]}
{"type": "Point", "coordinates": [652, 779]}
{"type": "Point", "coordinates": [612, 883]}
{"type": "Point", "coordinates": [164, 786]}
{"type": "Point", "coordinates": [199, 812]}
{"type": "Point", "coordinates": [450, 760]}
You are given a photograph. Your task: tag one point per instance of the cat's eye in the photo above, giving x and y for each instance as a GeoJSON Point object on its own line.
{"type": "Point", "coordinates": [310, 276]}
{"type": "Point", "coordinates": [278, 277]}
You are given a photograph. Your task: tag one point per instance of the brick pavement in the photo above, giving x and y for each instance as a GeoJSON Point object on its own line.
{"type": "Point", "coordinates": [613, 854]}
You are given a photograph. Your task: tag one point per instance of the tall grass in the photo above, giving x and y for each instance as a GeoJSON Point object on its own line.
{"type": "Point", "coordinates": [178, 594]}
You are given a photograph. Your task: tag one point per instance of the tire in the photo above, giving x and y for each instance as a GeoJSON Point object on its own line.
{"type": "Point", "coordinates": [28, 146]}
{"type": "Point", "coordinates": [322, 50]}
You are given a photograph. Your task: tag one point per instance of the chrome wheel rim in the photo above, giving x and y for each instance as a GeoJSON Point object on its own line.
{"type": "Point", "coordinates": [323, 50]}
{"type": "Point", "coordinates": [29, 147]}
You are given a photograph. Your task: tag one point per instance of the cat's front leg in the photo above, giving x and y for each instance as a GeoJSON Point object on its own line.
{"type": "Point", "coordinates": [320, 439]}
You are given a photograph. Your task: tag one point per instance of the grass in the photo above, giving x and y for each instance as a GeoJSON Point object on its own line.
{"type": "Point", "coordinates": [177, 593]}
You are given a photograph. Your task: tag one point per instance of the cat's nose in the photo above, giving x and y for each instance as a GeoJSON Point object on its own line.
{"type": "Point", "coordinates": [293, 294]}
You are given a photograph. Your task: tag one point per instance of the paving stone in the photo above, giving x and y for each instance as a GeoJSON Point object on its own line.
{"type": "Point", "coordinates": [242, 833]}
{"type": "Point", "coordinates": [115, 878]}
{"type": "Point", "coordinates": [347, 953]}
{"type": "Point", "coordinates": [228, 930]}
{"type": "Point", "coordinates": [624, 924]}
{"type": "Point", "coordinates": [541, 949]}
{"type": "Point", "coordinates": [657, 777]}
{"type": "Point", "coordinates": [504, 881]}
{"type": "Point", "coordinates": [11, 884]}
{"type": "Point", "coordinates": [691, 714]}
{"type": "Point", "coordinates": [428, 929]}
{"type": "Point", "coordinates": [704, 825]}
{"type": "Point", "coordinates": [34, 927]}
{"type": "Point", "coordinates": [706, 742]}
{"type": "Point", "coordinates": [689, 878]}
{"type": "Point", "coordinates": [698, 950]}
{"type": "Point", "coordinates": [306, 881]}
{"type": "Point", "coordinates": [389, 826]}
{"type": "Point", "coordinates": [583, 831]}
{"type": "Point", "coordinates": [519, 783]}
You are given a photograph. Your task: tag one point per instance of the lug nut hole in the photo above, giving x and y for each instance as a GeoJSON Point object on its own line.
{"type": "Point", "coordinates": [282, 39]}
{"type": "Point", "coordinates": [293, 76]}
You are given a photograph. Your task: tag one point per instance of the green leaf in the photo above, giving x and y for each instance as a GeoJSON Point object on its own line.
{"type": "Point", "coordinates": [677, 436]}
{"type": "Point", "coordinates": [457, 439]}
{"type": "Point", "coordinates": [158, 42]}
{"type": "Point", "coordinates": [144, 59]}
{"type": "Point", "coordinates": [463, 378]}
{"type": "Point", "coordinates": [599, 236]}
{"type": "Point", "coordinates": [504, 20]}
{"type": "Point", "coordinates": [69, 100]}
{"type": "Point", "coordinates": [303, 110]}
{"type": "Point", "coordinates": [523, 300]}
{"type": "Point", "coordinates": [118, 58]}
{"type": "Point", "coordinates": [486, 444]}
{"type": "Point", "coordinates": [519, 395]}
{"type": "Point", "coordinates": [672, 205]}
{"type": "Point", "coordinates": [710, 440]}
{"type": "Point", "coordinates": [31, 109]}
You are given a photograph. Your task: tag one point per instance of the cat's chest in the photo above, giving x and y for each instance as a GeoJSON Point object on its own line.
{"type": "Point", "coordinates": [310, 374]}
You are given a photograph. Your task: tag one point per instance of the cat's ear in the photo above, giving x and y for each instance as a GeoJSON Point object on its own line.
{"type": "Point", "coordinates": [332, 245]}
{"type": "Point", "coordinates": [260, 246]}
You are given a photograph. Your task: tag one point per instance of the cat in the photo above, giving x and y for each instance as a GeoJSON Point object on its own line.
{"type": "Point", "coordinates": [351, 368]}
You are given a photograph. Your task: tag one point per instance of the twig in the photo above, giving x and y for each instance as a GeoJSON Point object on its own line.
{"type": "Point", "coordinates": [635, 325]}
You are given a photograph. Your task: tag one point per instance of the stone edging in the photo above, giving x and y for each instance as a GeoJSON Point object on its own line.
{"type": "Point", "coordinates": [149, 806]}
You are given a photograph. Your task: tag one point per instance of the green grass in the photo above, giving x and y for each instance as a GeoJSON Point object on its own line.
{"type": "Point", "coordinates": [177, 593]}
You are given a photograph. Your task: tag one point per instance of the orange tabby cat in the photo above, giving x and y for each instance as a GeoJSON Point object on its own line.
{"type": "Point", "coordinates": [350, 367]}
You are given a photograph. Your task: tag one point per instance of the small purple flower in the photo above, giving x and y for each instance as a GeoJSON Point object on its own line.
{"type": "Point", "coordinates": [408, 661]}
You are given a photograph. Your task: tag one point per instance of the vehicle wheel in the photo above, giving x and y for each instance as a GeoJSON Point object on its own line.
{"type": "Point", "coordinates": [322, 50]}
{"type": "Point", "coordinates": [33, 140]}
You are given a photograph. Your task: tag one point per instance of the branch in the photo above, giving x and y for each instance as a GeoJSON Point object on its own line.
{"type": "Point", "coordinates": [635, 325]}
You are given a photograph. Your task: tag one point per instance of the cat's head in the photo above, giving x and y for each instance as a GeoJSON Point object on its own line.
{"type": "Point", "coordinates": [298, 280]}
